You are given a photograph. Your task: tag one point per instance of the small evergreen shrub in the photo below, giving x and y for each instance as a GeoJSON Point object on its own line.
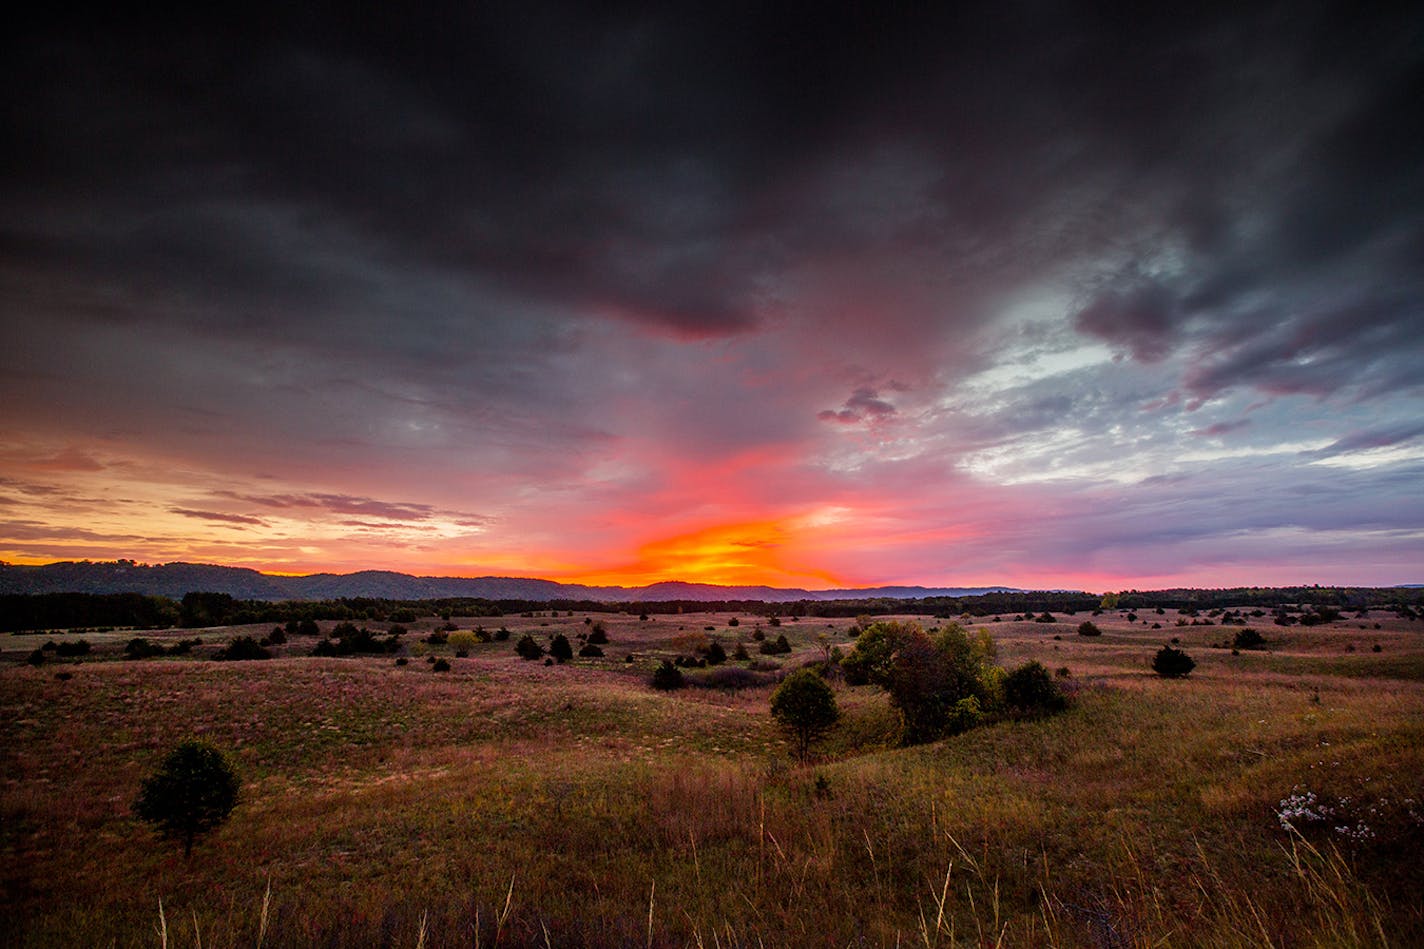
{"type": "Point", "coordinates": [501, 635]}
{"type": "Point", "coordinates": [1172, 663]}
{"type": "Point", "coordinates": [440, 665]}
{"type": "Point", "coordinates": [79, 648]}
{"type": "Point", "coordinates": [598, 635]}
{"type": "Point", "coordinates": [1030, 688]}
{"type": "Point", "coordinates": [590, 651]}
{"type": "Point", "coordinates": [560, 648]}
{"type": "Point", "coordinates": [1248, 639]}
{"type": "Point", "coordinates": [667, 676]}
{"type": "Point", "coordinates": [1089, 628]}
{"type": "Point", "coordinates": [528, 648]}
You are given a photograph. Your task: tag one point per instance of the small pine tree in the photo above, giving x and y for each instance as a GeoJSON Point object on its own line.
{"type": "Point", "coordinates": [667, 676]}
{"type": "Point", "coordinates": [192, 792]}
{"type": "Point", "coordinates": [1089, 628]}
{"type": "Point", "coordinates": [528, 648]}
{"type": "Point", "coordinates": [1172, 663]}
{"type": "Point", "coordinates": [560, 648]}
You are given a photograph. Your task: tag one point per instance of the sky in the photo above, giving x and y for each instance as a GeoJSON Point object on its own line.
{"type": "Point", "coordinates": [1026, 293]}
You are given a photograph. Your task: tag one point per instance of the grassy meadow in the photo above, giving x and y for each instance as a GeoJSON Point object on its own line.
{"type": "Point", "coordinates": [512, 803]}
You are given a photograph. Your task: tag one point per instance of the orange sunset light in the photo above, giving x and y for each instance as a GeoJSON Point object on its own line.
{"type": "Point", "coordinates": [769, 552]}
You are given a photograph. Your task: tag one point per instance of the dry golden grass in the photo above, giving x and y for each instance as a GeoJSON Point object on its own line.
{"type": "Point", "coordinates": [508, 802]}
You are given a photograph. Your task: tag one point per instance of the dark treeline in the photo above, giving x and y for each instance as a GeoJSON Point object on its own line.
{"type": "Point", "coordinates": [88, 610]}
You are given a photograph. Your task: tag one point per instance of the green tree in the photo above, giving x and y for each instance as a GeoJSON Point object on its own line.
{"type": "Point", "coordinates": [928, 679]}
{"type": "Point", "coordinates": [560, 648]}
{"type": "Point", "coordinates": [192, 792]}
{"type": "Point", "coordinates": [805, 706]}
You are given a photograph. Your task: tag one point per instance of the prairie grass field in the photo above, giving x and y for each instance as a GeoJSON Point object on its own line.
{"type": "Point", "coordinates": [508, 802]}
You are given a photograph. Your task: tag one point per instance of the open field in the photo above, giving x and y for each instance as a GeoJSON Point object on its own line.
{"type": "Point", "coordinates": [512, 802]}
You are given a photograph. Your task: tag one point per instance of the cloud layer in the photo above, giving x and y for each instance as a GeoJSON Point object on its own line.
{"type": "Point", "coordinates": [1018, 294]}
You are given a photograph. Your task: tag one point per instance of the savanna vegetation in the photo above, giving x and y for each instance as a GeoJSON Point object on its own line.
{"type": "Point", "coordinates": [975, 780]}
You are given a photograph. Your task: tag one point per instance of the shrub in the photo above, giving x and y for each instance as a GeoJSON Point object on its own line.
{"type": "Point", "coordinates": [1089, 628]}
{"type": "Point", "coordinates": [242, 649]}
{"type": "Point", "coordinates": [1044, 617]}
{"type": "Point", "coordinates": [805, 706]}
{"type": "Point", "coordinates": [463, 641]}
{"type": "Point", "coordinates": [438, 638]}
{"type": "Point", "coordinates": [441, 665]}
{"type": "Point", "coordinates": [560, 648]}
{"type": "Point", "coordinates": [667, 676]}
{"type": "Point", "coordinates": [779, 646]}
{"type": "Point", "coordinates": [715, 654]}
{"type": "Point", "coordinates": [37, 657]}
{"type": "Point", "coordinates": [740, 653]}
{"type": "Point", "coordinates": [598, 635]}
{"type": "Point", "coordinates": [1172, 663]}
{"type": "Point", "coordinates": [1030, 688]}
{"type": "Point", "coordinates": [192, 792]}
{"type": "Point", "coordinates": [590, 651]}
{"type": "Point", "coordinates": [1248, 639]}
{"type": "Point", "coordinates": [734, 622]}
{"type": "Point", "coordinates": [308, 627]}
{"type": "Point", "coordinates": [528, 648]}
{"type": "Point", "coordinates": [78, 648]}
{"type": "Point", "coordinates": [501, 635]}
{"type": "Point", "coordinates": [402, 661]}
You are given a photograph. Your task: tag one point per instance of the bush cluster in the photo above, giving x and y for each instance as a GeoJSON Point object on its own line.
{"type": "Point", "coordinates": [242, 649]}
{"type": "Point", "coordinates": [775, 647]}
{"type": "Point", "coordinates": [945, 683]}
{"type": "Point", "coordinates": [140, 648]}
{"type": "Point", "coordinates": [347, 640]}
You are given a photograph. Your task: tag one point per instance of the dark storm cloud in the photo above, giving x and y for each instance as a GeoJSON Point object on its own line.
{"type": "Point", "coordinates": [1141, 319]}
{"type": "Point", "coordinates": [652, 165]}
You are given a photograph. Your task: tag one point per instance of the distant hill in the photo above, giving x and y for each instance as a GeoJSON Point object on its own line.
{"type": "Point", "coordinates": [176, 579]}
